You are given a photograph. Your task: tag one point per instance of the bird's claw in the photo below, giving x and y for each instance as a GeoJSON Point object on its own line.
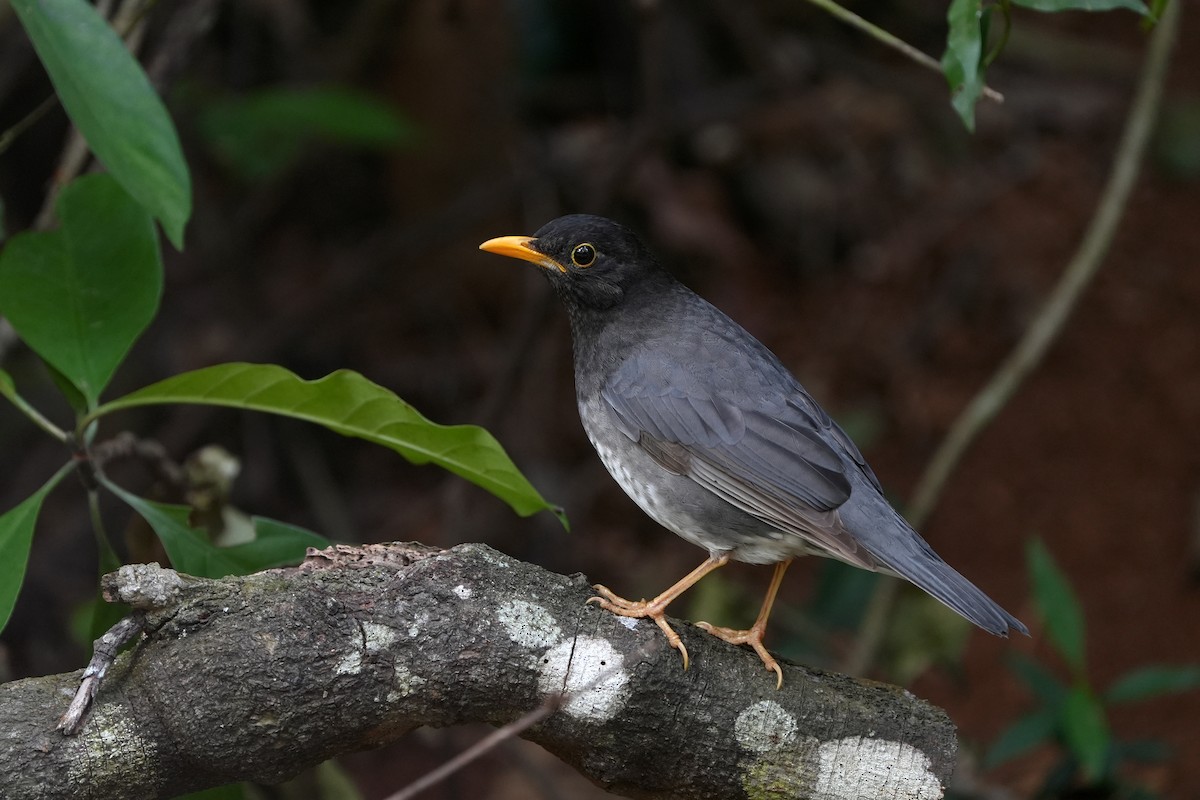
{"type": "Point", "coordinates": [611, 601]}
{"type": "Point", "coordinates": [640, 609]}
{"type": "Point", "coordinates": [752, 637]}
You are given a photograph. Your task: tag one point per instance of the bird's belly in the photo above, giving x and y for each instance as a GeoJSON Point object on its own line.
{"type": "Point", "coordinates": [681, 505]}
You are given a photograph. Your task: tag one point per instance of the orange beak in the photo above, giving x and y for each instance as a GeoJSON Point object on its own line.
{"type": "Point", "coordinates": [519, 247]}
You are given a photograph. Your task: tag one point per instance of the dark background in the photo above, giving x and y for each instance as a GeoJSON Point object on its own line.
{"type": "Point", "coordinates": [812, 184]}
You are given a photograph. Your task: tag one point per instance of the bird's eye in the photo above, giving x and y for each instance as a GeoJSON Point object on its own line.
{"type": "Point", "coordinates": [584, 255]}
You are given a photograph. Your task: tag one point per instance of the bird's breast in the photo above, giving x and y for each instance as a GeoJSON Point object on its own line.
{"type": "Point", "coordinates": [677, 502]}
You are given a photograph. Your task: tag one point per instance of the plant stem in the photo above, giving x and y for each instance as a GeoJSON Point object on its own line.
{"type": "Point", "coordinates": [1051, 319]}
{"type": "Point", "coordinates": [1075, 279]}
{"type": "Point", "coordinates": [35, 415]}
{"type": "Point", "coordinates": [883, 37]}
{"type": "Point", "coordinates": [108, 556]}
{"type": "Point", "coordinates": [9, 136]}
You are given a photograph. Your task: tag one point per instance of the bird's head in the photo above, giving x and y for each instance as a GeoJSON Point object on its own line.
{"type": "Point", "coordinates": [592, 262]}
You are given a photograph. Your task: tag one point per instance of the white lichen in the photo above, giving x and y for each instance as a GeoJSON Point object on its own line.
{"type": "Point", "coordinates": [589, 669]}
{"type": "Point", "coordinates": [404, 683]}
{"type": "Point", "coordinates": [860, 766]}
{"type": "Point", "coordinates": [350, 663]}
{"type": "Point", "coordinates": [377, 637]}
{"type": "Point", "coordinates": [528, 624]}
{"type": "Point", "coordinates": [371, 638]}
{"type": "Point", "coordinates": [764, 726]}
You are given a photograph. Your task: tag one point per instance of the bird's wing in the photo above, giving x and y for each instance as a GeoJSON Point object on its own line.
{"type": "Point", "coordinates": [771, 456]}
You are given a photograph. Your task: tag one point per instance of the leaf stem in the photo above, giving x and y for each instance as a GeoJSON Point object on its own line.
{"type": "Point", "coordinates": [107, 553]}
{"type": "Point", "coordinates": [35, 415]}
{"type": "Point", "coordinates": [26, 122]}
{"type": "Point", "coordinates": [1006, 10]}
{"type": "Point", "coordinates": [880, 35]}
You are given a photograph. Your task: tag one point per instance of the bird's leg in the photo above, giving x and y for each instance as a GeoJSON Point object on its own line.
{"type": "Point", "coordinates": [656, 609]}
{"type": "Point", "coordinates": [754, 635]}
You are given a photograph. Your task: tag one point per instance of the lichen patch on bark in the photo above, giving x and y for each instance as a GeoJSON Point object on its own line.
{"type": "Point", "coordinates": [529, 624]}
{"type": "Point", "coordinates": [592, 671]}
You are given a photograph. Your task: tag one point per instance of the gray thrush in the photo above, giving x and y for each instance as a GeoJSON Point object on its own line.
{"type": "Point", "coordinates": [708, 432]}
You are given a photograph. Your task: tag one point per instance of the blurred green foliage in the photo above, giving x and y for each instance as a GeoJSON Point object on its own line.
{"type": "Point", "coordinates": [1176, 145]}
{"type": "Point", "coordinates": [967, 54]}
{"type": "Point", "coordinates": [82, 294]}
{"type": "Point", "coordinates": [1072, 714]}
{"type": "Point", "coordinates": [260, 134]}
{"type": "Point", "coordinates": [109, 98]}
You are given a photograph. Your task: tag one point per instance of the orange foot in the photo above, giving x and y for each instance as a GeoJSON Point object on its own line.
{"type": "Point", "coordinates": [641, 609]}
{"type": "Point", "coordinates": [656, 609]}
{"type": "Point", "coordinates": [752, 637]}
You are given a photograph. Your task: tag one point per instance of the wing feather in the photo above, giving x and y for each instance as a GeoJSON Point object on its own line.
{"type": "Point", "coordinates": [768, 457]}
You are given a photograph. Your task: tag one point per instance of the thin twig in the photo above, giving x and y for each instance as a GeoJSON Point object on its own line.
{"type": "Point", "coordinates": [1076, 277]}
{"type": "Point", "coordinates": [104, 653]}
{"type": "Point", "coordinates": [497, 737]}
{"type": "Point", "coordinates": [1052, 317]}
{"type": "Point", "coordinates": [36, 416]}
{"type": "Point", "coordinates": [108, 555]}
{"type": "Point", "coordinates": [150, 452]}
{"type": "Point", "coordinates": [883, 37]}
{"type": "Point", "coordinates": [487, 743]}
{"type": "Point", "coordinates": [9, 136]}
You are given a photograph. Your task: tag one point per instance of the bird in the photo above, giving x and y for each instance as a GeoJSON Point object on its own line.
{"type": "Point", "coordinates": [713, 437]}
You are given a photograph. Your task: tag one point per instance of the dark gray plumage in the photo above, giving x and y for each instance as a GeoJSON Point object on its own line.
{"type": "Point", "coordinates": [710, 434]}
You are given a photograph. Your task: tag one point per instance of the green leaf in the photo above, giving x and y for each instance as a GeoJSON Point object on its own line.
{"type": "Point", "coordinates": [1085, 732]}
{"type": "Point", "coordinates": [1147, 682]}
{"type": "Point", "coordinates": [277, 544]}
{"type": "Point", "coordinates": [961, 63]}
{"type": "Point", "coordinates": [1058, 606]}
{"type": "Point", "coordinates": [7, 387]}
{"type": "Point", "coordinates": [1083, 5]}
{"type": "Point", "coordinates": [191, 552]}
{"type": "Point", "coordinates": [1024, 734]}
{"type": "Point", "coordinates": [1040, 681]}
{"type": "Point", "coordinates": [70, 392]}
{"type": "Point", "coordinates": [261, 133]}
{"type": "Point", "coordinates": [16, 537]}
{"type": "Point", "coordinates": [81, 295]}
{"type": "Point", "coordinates": [349, 404]}
{"type": "Point", "coordinates": [111, 101]}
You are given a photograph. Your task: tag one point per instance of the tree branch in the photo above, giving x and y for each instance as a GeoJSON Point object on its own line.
{"type": "Point", "coordinates": [255, 678]}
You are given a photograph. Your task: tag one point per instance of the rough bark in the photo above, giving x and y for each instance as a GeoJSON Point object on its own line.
{"type": "Point", "coordinates": [255, 678]}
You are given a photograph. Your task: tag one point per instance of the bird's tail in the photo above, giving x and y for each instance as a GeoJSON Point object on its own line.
{"type": "Point", "coordinates": [928, 571]}
{"type": "Point", "coordinates": [902, 551]}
